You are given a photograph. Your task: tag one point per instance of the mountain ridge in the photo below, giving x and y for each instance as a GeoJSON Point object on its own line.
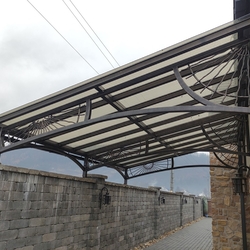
{"type": "Point", "coordinates": [188, 180]}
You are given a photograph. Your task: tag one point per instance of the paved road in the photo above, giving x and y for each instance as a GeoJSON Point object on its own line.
{"type": "Point", "coordinates": [197, 236]}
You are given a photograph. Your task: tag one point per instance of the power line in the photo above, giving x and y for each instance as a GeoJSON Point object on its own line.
{"type": "Point", "coordinates": [94, 33]}
{"type": "Point", "coordinates": [62, 37]}
{"type": "Point", "coordinates": [89, 34]}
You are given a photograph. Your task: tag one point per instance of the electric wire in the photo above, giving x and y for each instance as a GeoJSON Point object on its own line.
{"type": "Point", "coordinates": [62, 37]}
{"type": "Point", "coordinates": [94, 33]}
{"type": "Point", "coordinates": [89, 34]}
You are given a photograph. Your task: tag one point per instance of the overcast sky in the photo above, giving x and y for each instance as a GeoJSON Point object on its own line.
{"type": "Point", "coordinates": [36, 61]}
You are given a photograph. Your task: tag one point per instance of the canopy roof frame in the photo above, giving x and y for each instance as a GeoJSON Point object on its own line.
{"type": "Point", "coordinates": [118, 130]}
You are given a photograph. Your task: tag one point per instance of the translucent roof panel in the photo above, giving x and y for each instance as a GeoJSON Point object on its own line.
{"type": "Point", "coordinates": [177, 101]}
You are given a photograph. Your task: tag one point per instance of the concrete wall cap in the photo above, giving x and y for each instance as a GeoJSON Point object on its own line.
{"type": "Point", "coordinates": [168, 192]}
{"type": "Point", "coordinates": [98, 176]}
{"type": "Point", "coordinates": [152, 187]}
{"type": "Point", "coordinates": [44, 173]}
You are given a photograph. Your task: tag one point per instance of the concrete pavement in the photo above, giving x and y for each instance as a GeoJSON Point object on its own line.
{"type": "Point", "coordinates": [197, 236]}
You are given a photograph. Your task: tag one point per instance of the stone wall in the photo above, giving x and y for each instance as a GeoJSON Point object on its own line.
{"type": "Point", "coordinates": [226, 213]}
{"type": "Point", "coordinates": [40, 210]}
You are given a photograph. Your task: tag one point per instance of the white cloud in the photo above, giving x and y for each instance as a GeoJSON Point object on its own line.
{"type": "Point", "coordinates": [153, 182]}
{"type": "Point", "coordinates": [34, 55]}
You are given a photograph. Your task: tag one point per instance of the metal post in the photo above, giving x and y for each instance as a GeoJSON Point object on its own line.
{"type": "Point", "coordinates": [242, 161]}
{"type": "Point", "coordinates": [242, 200]}
{"type": "Point", "coordinates": [241, 8]}
{"type": "Point", "coordinates": [84, 174]}
{"type": "Point", "coordinates": [86, 167]}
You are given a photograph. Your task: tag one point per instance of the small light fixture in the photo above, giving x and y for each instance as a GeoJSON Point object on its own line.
{"type": "Point", "coordinates": [163, 200]}
{"type": "Point", "coordinates": [104, 199]}
{"type": "Point", "coordinates": [239, 184]}
{"type": "Point", "coordinates": [239, 181]}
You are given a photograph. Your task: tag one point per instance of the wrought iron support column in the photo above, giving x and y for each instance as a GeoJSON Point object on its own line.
{"type": "Point", "coordinates": [242, 8]}
{"type": "Point", "coordinates": [126, 177]}
{"type": "Point", "coordinates": [242, 161]}
{"type": "Point", "coordinates": [243, 221]}
{"type": "Point", "coordinates": [86, 167]}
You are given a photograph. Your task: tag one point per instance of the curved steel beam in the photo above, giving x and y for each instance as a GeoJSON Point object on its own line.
{"type": "Point", "coordinates": [163, 110]}
{"type": "Point", "coordinates": [47, 149]}
{"type": "Point", "coordinates": [220, 160]}
{"type": "Point", "coordinates": [189, 91]}
{"type": "Point", "coordinates": [59, 152]}
{"type": "Point", "coordinates": [187, 166]}
{"type": "Point", "coordinates": [216, 34]}
{"type": "Point", "coordinates": [225, 150]}
{"type": "Point", "coordinates": [125, 176]}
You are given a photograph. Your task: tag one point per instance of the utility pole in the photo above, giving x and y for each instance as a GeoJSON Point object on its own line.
{"type": "Point", "coordinates": [172, 180]}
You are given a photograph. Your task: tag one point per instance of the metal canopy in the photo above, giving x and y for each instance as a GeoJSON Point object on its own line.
{"type": "Point", "coordinates": [140, 116]}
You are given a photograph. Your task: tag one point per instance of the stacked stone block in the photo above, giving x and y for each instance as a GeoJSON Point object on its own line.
{"type": "Point", "coordinates": [187, 209]}
{"type": "Point", "coordinates": [226, 213]}
{"type": "Point", "coordinates": [168, 214]}
{"type": "Point", "coordinates": [40, 210]}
